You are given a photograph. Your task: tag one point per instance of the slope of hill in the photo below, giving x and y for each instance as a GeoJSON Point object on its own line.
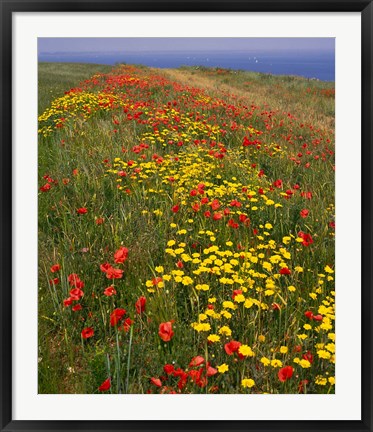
{"type": "Point", "coordinates": [186, 231]}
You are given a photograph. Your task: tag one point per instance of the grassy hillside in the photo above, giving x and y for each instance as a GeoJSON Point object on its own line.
{"type": "Point", "coordinates": [55, 78]}
{"type": "Point", "coordinates": [186, 231]}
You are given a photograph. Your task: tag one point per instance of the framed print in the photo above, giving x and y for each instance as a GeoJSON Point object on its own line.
{"type": "Point", "coordinates": [186, 215]}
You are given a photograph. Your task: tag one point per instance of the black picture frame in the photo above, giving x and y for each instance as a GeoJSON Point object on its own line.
{"type": "Point", "coordinates": [7, 9]}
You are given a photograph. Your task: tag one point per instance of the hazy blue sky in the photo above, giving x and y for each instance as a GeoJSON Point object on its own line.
{"type": "Point", "coordinates": [74, 45]}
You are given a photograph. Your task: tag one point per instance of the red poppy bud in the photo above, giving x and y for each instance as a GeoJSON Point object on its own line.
{"type": "Point", "coordinates": [140, 305]}
{"type": "Point", "coordinates": [105, 385]}
{"type": "Point", "coordinates": [165, 331]}
{"type": "Point", "coordinates": [156, 381]}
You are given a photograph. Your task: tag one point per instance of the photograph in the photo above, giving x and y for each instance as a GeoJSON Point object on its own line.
{"type": "Point", "coordinates": [186, 215]}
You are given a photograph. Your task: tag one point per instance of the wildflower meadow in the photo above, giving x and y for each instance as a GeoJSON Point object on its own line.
{"type": "Point", "coordinates": [186, 231]}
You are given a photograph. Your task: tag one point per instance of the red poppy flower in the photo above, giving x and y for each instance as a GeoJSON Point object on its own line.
{"type": "Point", "coordinates": [201, 187]}
{"type": "Point", "coordinates": [242, 217]}
{"type": "Point", "coordinates": [196, 361]}
{"type": "Point", "coordinates": [55, 268]}
{"type": "Point", "coordinates": [82, 210]}
{"type": "Point", "coordinates": [77, 308]}
{"type": "Point", "coordinates": [246, 142]}
{"type": "Point", "coordinates": [156, 381]}
{"type": "Point", "coordinates": [155, 281]}
{"type": "Point", "coordinates": [232, 223]}
{"type": "Point", "coordinates": [235, 293]}
{"type": "Point", "coordinates": [307, 239]}
{"type": "Point", "coordinates": [68, 302]}
{"type": "Point", "coordinates": [165, 331]}
{"type": "Point", "coordinates": [215, 204]}
{"type": "Point", "coordinates": [317, 317]}
{"type": "Point", "coordinates": [121, 255]}
{"type": "Point", "coordinates": [232, 347]}
{"type": "Point", "coordinates": [194, 375]}
{"type": "Point", "coordinates": [72, 278]}
{"type": "Point", "coordinates": [180, 265]}
{"type": "Point", "coordinates": [45, 188]}
{"type": "Point", "coordinates": [210, 371]}
{"type": "Point", "coordinates": [193, 192]}
{"type": "Point", "coordinates": [75, 281]}
{"type": "Point", "coordinates": [175, 208]}
{"type": "Point", "coordinates": [54, 281]}
{"type": "Point", "coordinates": [113, 273]}
{"type": "Point", "coordinates": [201, 381]}
{"type": "Point", "coordinates": [301, 385]}
{"type": "Point", "coordinates": [79, 284]}
{"type": "Point", "coordinates": [100, 221]}
{"type": "Point", "coordinates": [217, 216]}
{"type": "Point", "coordinates": [109, 291]}
{"type": "Point", "coordinates": [76, 293]}
{"type": "Point", "coordinates": [285, 373]}
{"type": "Point", "coordinates": [277, 183]}
{"type": "Point", "coordinates": [127, 324]}
{"type": "Point", "coordinates": [285, 271]}
{"type": "Point", "coordinates": [140, 304]}
{"type": "Point", "coordinates": [198, 377]}
{"type": "Point", "coordinates": [105, 267]}
{"type": "Point", "coordinates": [308, 356]}
{"type": "Point", "coordinates": [105, 385]}
{"type": "Point", "coordinates": [196, 207]}
{"type": "Point", "coordinates": [169, 369]}
{"type": "Point", "coordinates": [207, 214]}
{"type": "Point", "coordinates": [116, 316]}
{"type": "Point", "coordinates": [183, 380]}
{"type": "Point", "coordinates": [304, 213]}
{"type": "Point", "coordinates": [87, 332]}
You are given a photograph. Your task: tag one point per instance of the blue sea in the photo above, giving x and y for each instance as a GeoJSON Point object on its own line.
{"type": "Point", "coordinates": [319, 65]}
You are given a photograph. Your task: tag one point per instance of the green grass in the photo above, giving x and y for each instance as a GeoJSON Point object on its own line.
{"type": "Point", "coordinates": [111, 146]}
{"type": "Point", "coordinates": [56, 78]}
